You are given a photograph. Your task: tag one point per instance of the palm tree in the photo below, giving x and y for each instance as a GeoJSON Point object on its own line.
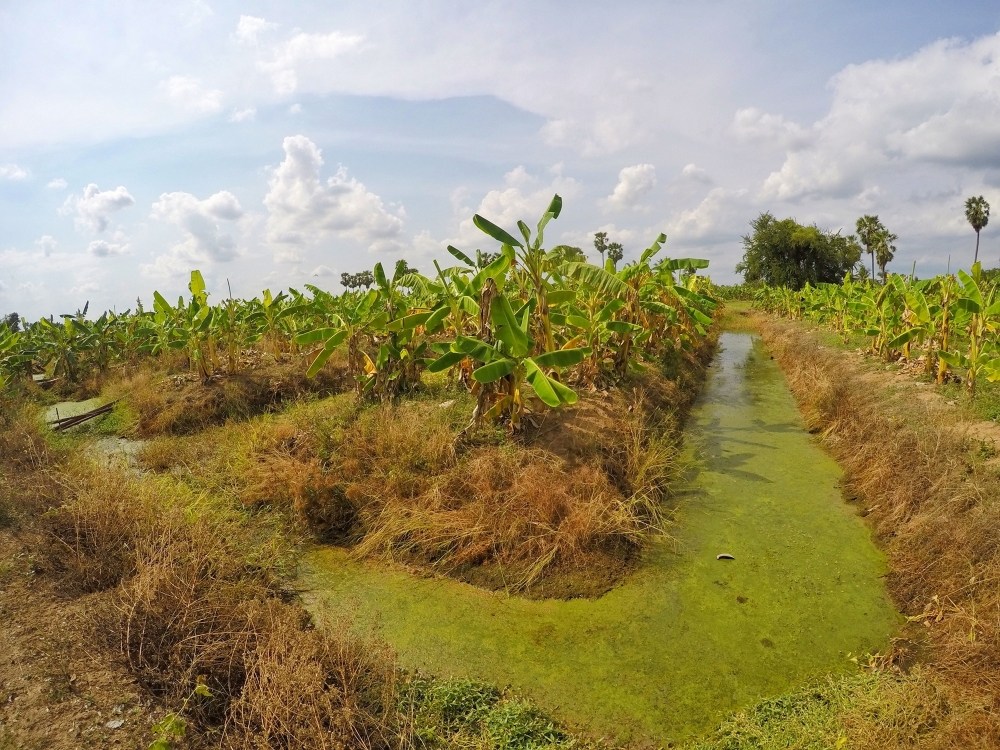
{"type": "Point", "coordinates": [884, 250]}
{"type": "Point", "coordinates": [868, 228]}
{"type": "Point", "coordinates": [977, 211]}
{"type": "Point", "coordinates": [601, 244]}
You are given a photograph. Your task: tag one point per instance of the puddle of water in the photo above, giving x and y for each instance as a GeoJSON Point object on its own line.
{"type": "Point", "coordinates": [72, 408]}
{"type": "Point", "coordinates": [688, 638]}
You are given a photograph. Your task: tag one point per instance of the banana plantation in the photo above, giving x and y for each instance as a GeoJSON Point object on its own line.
{"type": "Point", "coordinates": [494, 488]}
{"type": "Point", "coordinates": [949, 324]}
{"type": "Point", "coordinates": [529, 327]}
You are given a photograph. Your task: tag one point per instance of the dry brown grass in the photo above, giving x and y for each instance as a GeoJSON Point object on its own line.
{"type": "Point", "coordinates": [579, 493]}
{"type": "Point", "coordinates": [304, 689]}
{"type": "Point", "coordinates": [195, 594]}
{"type": "Point", "coordinates": [522, 510]}
{"type": "Point", "coordinates": [27, 465]}
{"type": "Point", "coordinates": [936, 512]}
{"type": "Point", "coordinates": [177, 404]}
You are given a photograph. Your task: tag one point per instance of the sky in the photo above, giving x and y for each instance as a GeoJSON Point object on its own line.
{"type": "Point", "coordinates": [278, 144]}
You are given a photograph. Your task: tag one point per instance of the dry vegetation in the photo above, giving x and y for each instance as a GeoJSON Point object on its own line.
{"type": "Point", "coordinates": [560, 511]}
{"type": "Point", "coordinates": [934, 505]}
{"type": "Point", "coordinates": [178, 593]}
{"type": "Point", "coordinates": [180, 577]}
{"type": "Point", "coordinates": [168, 400]}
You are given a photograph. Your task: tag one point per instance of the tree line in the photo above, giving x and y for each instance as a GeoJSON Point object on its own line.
{"type": "Point", "coordinates": [786, 253]}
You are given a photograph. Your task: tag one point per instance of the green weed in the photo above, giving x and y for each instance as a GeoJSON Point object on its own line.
{"type": "Point", "coordinates": [466, 713]}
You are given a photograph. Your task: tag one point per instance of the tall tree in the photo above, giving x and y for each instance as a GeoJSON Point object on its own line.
{"type": "Point", "coordinates": [785, 253]}
{"type": "Point", "coordinates": [977, 211]}
{"type": "Point", "coordinates": [356, 280]}
{"type": "Point", "coordinates": [601, 244]}
{"type": "Point", "coordinates": [885, 250]}
{"type": "Point", "coordinates": [615, 252]}
{"type": "Point", "coordinates": [12, 321]}
{"type": "Point", "coordinates": [868, 227]}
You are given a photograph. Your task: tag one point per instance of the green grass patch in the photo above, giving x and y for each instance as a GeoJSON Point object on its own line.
{"type": "Point", "coordinates": [470, 714]}
{"type": "Point", "coordinates": [867, 709]}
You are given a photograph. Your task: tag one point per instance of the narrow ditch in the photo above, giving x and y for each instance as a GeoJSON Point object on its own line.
{"type": "Point", "coordinates": [689, 637]}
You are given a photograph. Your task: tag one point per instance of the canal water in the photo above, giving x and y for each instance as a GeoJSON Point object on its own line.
{"type": "Point", "coordinates": [688, 637]}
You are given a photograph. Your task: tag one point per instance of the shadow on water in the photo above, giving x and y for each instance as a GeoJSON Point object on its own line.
{"type": "Point", "coordinates": [687, 638]}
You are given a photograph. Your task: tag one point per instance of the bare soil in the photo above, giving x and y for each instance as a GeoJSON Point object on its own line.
{"type": "Point", "coordinates": [57, 688]}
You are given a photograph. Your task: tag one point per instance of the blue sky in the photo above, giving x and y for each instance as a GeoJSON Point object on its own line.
{"type": "Point", "coordinates": [274, 144]}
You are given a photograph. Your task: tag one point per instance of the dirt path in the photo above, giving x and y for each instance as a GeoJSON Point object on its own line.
{"type": "Point", "coordinates": [58, 689]}
{"type": "Point", "coordinates": [905, 378]}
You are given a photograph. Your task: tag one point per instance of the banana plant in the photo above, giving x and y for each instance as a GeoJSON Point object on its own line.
{"type": "Point", "coordinates": [981, 307]}
{"type": "Point", "coordinates": [351, 319]}
{"type": "Point", "coordinates": [505, 363]}
{"type": "Point", "coordinates": [16, 359]}
{"type": "Point", "coordinates": [402, 346]}
{"type": "Point", "coordinates": [62, 345]}
{"type": "Point", "coordinates": [186, 326]}
{"type": "Point", "coordinates": [533, 265]}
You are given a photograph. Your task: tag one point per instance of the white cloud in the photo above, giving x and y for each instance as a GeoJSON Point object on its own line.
{"type": "Point", "coordinates": [695, 173]}
{"type": "Point", "coordinates": [105, 249]}
{"type": "Point", "coordinates": [247, 114]}
{"type": "Point", "coordinates": [295, 109]}
{"type": "Point", "coordinates": [594, 136]}
{"type": "Point", "coordinates": [200, 221]}
{"type": "Point", "coordinates": [940, 104]}
{"type": "Point", "coordinates": [322, 270]}
{"type": "Point", "coordinates": [719, 215]}
{"type": "Point", "coordinates": [13, 172]}
{"type": "Point", "coordinates": [634, 184]}
{"type": "Point", "coordinates": [188, 93]}
{"type": "Point", "coordinates": [195, 12]}
{"type": "Point", "coordinates": [753, 125]}
{"type": "Point", "coordinates": [47, 244]}
{"type": "Point", "coordinates": [303, 209]}
{"type": "Point", "coordinates": [93, 208]}
{"type": "Point", "coordinates": [57, 184]}
{"type": "Point", "coordinates": [85, 287]}
{"type": "Point", "coordinates": [523, 196]}
{"type": "Point", "coordinates": [250, 27]}
{"type": "Point", "coordinates": [302, 51]}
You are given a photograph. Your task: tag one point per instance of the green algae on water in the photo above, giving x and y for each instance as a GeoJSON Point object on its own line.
{"type": "Point", "coordinates": [688, 638]}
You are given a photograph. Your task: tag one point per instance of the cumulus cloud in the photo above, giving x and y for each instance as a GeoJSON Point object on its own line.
{"type": "Point", "coordinates": [93, 208]}
{"type": "Point", "coordinates": [85, 287]}
{"type": "Point", "coordinates": [247, 114]}
{"type": "Point", "coordinates": [719, 215]}
{"type": "Point", "coordinates": [13, 172]}
{"type": "Point", "coordinates": [47, 244]}
{"type": "Point", "coordinates": [57, 184]}
{"type": "Point", "coordinates": [594, 136]}
{"type": "Point", "coordinates": [195, 12]}
{"type": "Point", "coordinates": [753, 125]}
{"type": "Point", "coordinates": [695, 173]}
{"type": "Point", "coordinates": [303, 209]}
{"type": "Point", "coordinates": [634, 184]}
{"type": "Point", "coordinates": [188, 93]}
{"type": "Point", "coordinates": [523, 196]}
{"type": "Point", "coordinates": [107, 249]}
{"type": "Point", "coordinates": [940, 104]}
{"type": "Point", "coordinates": [250, 27]}
{"type": "Point", "coordinates": [302, 50]}
{"type": "Point", "coordinates": [322, 270]}
{"type": "Point", "coordinates": [201, 223]}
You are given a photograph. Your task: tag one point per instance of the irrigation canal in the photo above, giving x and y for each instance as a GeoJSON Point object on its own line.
{"type": "Point", "coordinates": [688, 637]}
